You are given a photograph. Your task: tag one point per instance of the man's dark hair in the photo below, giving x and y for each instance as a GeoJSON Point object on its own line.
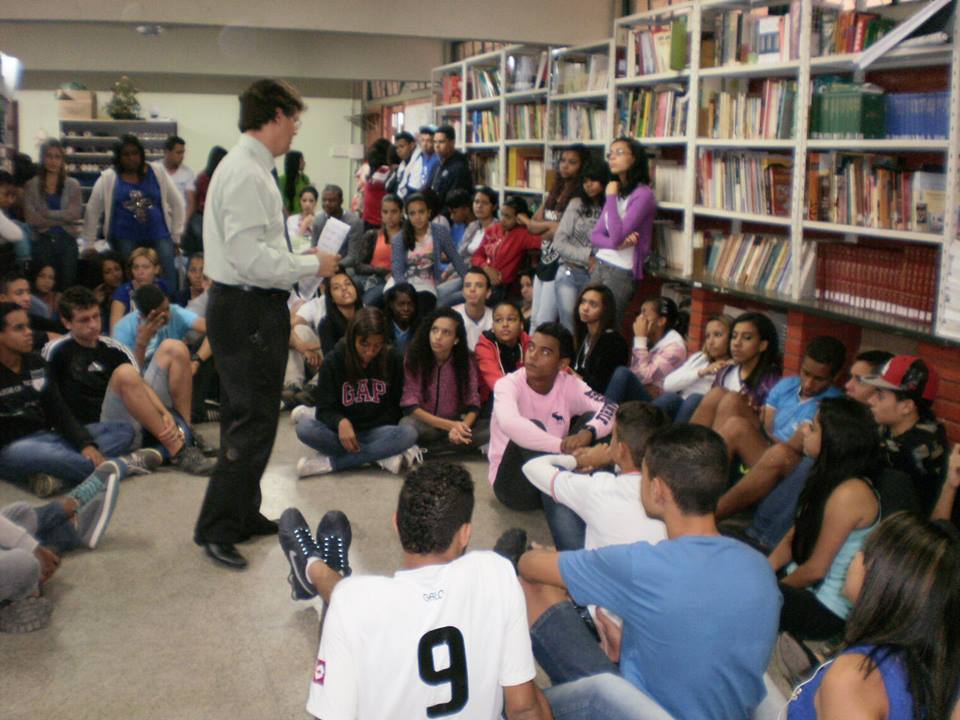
{"type": "Point", "coordinates": [5, 309]}
{"type": "Point", "coordinates": [259, 103]}
{"type": "Point", "coordinates": [76, 298]}
{"type": "Point", "coordinates": [436, 500]}
{"type": "Point", "coordinates": [148, 298]}
{"type": "Point", "coordinates": [172, 141]}
{"type": "Point", "coordinates": [427, 130]}
{"type": "Point", "coordinates": [636, 422]}
{"type": "Point", "coordinates": [458, 198]}
{"type": "Point", "coordinates": [692, 461]}
{"type": "Point", "coordinates": [6, 178]}
{"type": "Point", "coordinates": [876, 359]}
{"type": "Point", "coordinates": [448, 132]}
{"type": "Point", "coordinates": [312, 190]}
{"type": "Point", "coordinates": [518, 204]}
{"type": "Point", "coordinates": [10, 277]}
{"type": "Point", "coordinates": [827, 350]}
{"type": "Point", "coordinates": [477, 270]}
{"type": "Point", "coordinates": [330, 188]}
{"type": "Point", "coordinates": [563, 336]}
{"type": "Point", "coordinates": [403, 136]}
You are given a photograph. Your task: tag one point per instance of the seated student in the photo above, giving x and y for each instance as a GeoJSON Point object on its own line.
{"type": "Point", "coordinates": [477, 317]}
{"type": "Point", "coordinates": [98, 377]}
{"type": "Point", "coordinates": [300, 225]}
{"type": "Point", "coordinates": [305, 355]}
{"type": "Point", "coordinates": [947, 507]}
{"type": "Point", "coordinates": [45, 300]}
{"type": "Point", "coordinates": [109, 269]}
{"type": "Point", "coordinates": [484, 210]}
{"type": "Point", "coordinates": [358, 404]}
{"type": "Point", "coordinates": [15, 288]}
{"type": "Point", "coordinates": [373, 253]}
{"type": "Point", "coordinates": [838, 508]}
{"type": "Point", "coordinates": [741, 389]}
{"type": "Point", "coordinates": [33, 539]}
{"type": "Point", "coordinates": [441, 400]}
{"type": "Point", "coordinates": [417, 251]}
{"type": "Point", "coordinates": [901, 650]}
{"type": "Point", "coordinates": [194, 295]}
{"type": "Point", "coordinates": [458, 204]}
{"type": "Point", "coordinates": [711, 600]}
{"type": "Point", "coordinates": [912, 439]}
{"type": "Point", "coordinates": [331, 206]}
{"type": "Point", "coordinates": [540, 409]}
{"type": "Point", "coordinates": [342, 303]}
{"type": "Point", "coordinates": [500, 351]}
{"type": "Point", "coordinates": [684, 388]}
{"type": "Point", "coordinates": [380, 630]}
{"type": "Point", "coordinates": [658, 350]}
{"type": "Point", "coordinates": [526, 297]}
{"type": "Point", "coordinates": [504, 243]}
{"type": "Point", "coordinates": [144, 267]}
{"type": "Point", "coordinates": [42, 444]}
{"type": "Point", "coordinates": [14, 235]}
{"type": "Point", "coordinates": [601, 348]}
{"type": "Point", "coordinates": [774, 448]}
{"type": "Point", "coordinates": [400, 316]}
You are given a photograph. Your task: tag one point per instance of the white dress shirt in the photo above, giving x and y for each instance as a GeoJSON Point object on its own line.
{"type": "Point", "coordinates": [243, 224]}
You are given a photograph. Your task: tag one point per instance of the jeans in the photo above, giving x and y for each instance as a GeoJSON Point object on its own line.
{"type": "Point", "coordinates": [375, 444]}
{"type": "Point", "coordinates": [544, 302]}
{"type": "Point", "coordinates": [624, 386]}
{"type": "Point", "coordinates": [58, 249]}
{"type": "Point", "coordinates": [373, 295]}
{"type": "Point", "coordinates": [564, 646]}
{"type": "Point", "coordinates": [165, 251]}
{"type": "Point", "coordinates": [571, 279]}
{"type": "Point", "coordinates": [567, 528]}
{"type": "Point", "coordinates": [48, 452]}
{"type": "Point", "coordinates": [602, 697]}
{"type": "Point", "coordinates": [776, 512]}
{"type": "Point", "coordinates": [620, 281]}
{"type": "Point", "coordinates": [48, 524]}
{"type": "Point", "coordinates": [678, 409]}
{"type": "Point", "coordinates": [449, 292]}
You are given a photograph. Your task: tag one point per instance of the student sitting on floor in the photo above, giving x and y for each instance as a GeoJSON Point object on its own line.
{"type": "Point", "coordinates": [342, 298]}
{"type": "Point", "coordinates": [400, 316]}
{"type": "Point", "coordinates": [440, 391]}
{"type": "Point", "coordinates": [500, 351]}
{"type": "Point", "coordinates": [601, 348]}
{"type": "Point", "coordinates": [15, 288]}
{"type": "Point", "coordinates": [144, 268]}
{"type": "Point", "coordinates": [838, 508]}
{"type": "Point", "coordinates": [305, 355]}
{"type": "Point", "coordinates": [774, 449]}
{"type": "Point", "coordinates": [373, 256]}
{"type": "Point", "coordinates": [504, 244]}
{"type": "Point", "coordinates": [658, 350]}
{"type": "Point", "coordinates": [699, 610]}
{"type": "Point", "coordinates": [477, 317]}
{"type": "Point", "coordinates": [358, 405]}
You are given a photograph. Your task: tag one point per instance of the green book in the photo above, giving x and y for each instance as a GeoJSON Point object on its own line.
{"type": "Point", "coordinates": [678, 43]}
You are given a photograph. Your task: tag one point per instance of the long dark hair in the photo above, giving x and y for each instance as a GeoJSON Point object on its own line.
{"type": "Point", "coordinates": [421, 362]}
{"type": "Point", "coordinates": [126, 140]}
{"type": "Point", "coordinates": [333, 313]}
{"type": "Point", "coordinates": [848, 449]}
{"type": "Point", "coordinates": [378, 154]}
{"type": "Point", "coordinates": [409, 234]}
{"type": "Point", "coordinates": [492, 196]}
{"type": "Point", "coordinates": [598, 171]}
{"type": "Point", "coordinates": [214, 157]}
{"type": "Point", "coordinates": [769, 358]}
{"type": "Point", "coordinates": [291, 173]}
{"type": "Point", "coordinates": [42, 168]}
{"type": "Point", "coordinates": [566, 188]}
{"type": "Point", "coordinates": [401, 288]}
{"type": "Point", "coordinates": [909, 605]}
{"type": "Point", "coordinates": [639, 172]}
{"type": "Point", "coordinates": [366, 322]}
{"type": "Point", "coordinates": [608, 319]}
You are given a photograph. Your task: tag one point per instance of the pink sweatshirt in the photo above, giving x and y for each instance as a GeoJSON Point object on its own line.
{"type": "Point", "coordinates": [516, 405]}
{"type": "Point", "coordinates": [652, 365]}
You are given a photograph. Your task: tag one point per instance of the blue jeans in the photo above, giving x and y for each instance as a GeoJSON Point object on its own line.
{"type": "Point", "coordinates": [570, 280]}
{"type": "Point", "coordinates": [567, 528]}
{"type": "Point", "coordinates": [375, 444]}
{"type": "Point", "coordinates": [449, 292]}
{"type": "Point", "coordinates": [164, 248]}
{"type": "Point", "coordinates": [48, 452]}
{"type": "Point", "coordinates": [602, 697]}
{"type": "Point", "coordinates": [776, 512]}
{"type": "Point", "coordinates": [48, 524]}
{"type": "Point", "coordinates": [678, 409]}
{"type": "Point", "coordinates": [624, 386]}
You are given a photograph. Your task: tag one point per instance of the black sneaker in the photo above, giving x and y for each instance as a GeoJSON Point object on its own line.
{"type": "Point", "coordinates": [142, 462]}
{"type": "Point", "coordinates": [203, 446]}
{"type": "Point", "coordinates": [298, 547]}
{"type": "Point", "coordinates": [511, 545]}
{"type": "Point", "coordinates": [190, 460]}
{"type": "Point", "coordinates": [333, 536]}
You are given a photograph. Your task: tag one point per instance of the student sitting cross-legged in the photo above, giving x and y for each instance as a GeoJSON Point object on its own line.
{"type": "Point", "coordinates": [358, 405]}
{"type": "Point", "coordinates": [500, 350]}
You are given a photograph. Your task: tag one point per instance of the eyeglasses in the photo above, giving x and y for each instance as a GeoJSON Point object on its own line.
{"type": "Point", "coordinates": [619, 152]}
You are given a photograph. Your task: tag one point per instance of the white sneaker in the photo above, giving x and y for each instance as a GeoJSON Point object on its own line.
{"type": "Point", "coordinates": [301, 411]}
{"type": "Point", "coordinates": [414, 456]}
{"type": "Point", "coordinates": [393, 464]}
{"type": "Point", "coordinates": [316, 465]}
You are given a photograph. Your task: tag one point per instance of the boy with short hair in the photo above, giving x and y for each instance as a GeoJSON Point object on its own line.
{"type": "Point", "coordinates": [15, 288]}
{"type": "Point", "coordinates": [477, 317]}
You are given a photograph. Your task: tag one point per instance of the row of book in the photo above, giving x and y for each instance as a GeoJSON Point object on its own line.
{"type": "Point", "coordinates": [526, 121]}
{"type": "Point", "coordinates": [747, 182]}
{"type": "Point", "coordinates": [484, 126]}
{"type": "Point", "coordinates": [737, 108]}
{"type": "Point", "coordinates": [525, 168]}
{"type": "Point", "coordinates": [894, 280]}
{"type": "Point", "coordinates": [667, 178]}
{"type": "Point", "coordinates": [578, 121]}
{"type": "Point", "coordinates": [756, 261]}
{"type": "Point", "coordinates": [840, 32]}
{"type": "Point", "coordinates": [581, 75]}
{"type": "Point", "coordinates": [657, 112]}
{"type": "Point", "coordinates": [656, 49]}
{"type": "Point", "coordinates": [874, 191]}
{"type": "Point", "coordinates": [668, 244]}
{"type": "Point", "coordinates": [754, 36]}
{"type": "Point", "coordinates": [847, 111]}
{"type": "Point", "coordinates": [483, 82]}
{"type": "Point", "coordinates": [526, 71]}
{"type": "Point", "coordinates": [378, 89]}
{"type": "Point", "coordinates": [918, 116]}
{"type": "Point", "coordinates": [486, 169]}
{"type": "Point", "coordinates": [450, 90]}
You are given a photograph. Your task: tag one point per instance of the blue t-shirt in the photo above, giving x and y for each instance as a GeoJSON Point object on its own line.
{"type": "Point", "coordinates": [138, 211]}
{"type": "Point", "coordinates": [700, 617]}
{"type": "Point", "coordinates": [181, 321]}
{"type": "Point", "coordinates": [124, 293]}
{"type": "Point", "coordinates": [791, 410]}
{"type": "Point", "coordinates": [430, 163]}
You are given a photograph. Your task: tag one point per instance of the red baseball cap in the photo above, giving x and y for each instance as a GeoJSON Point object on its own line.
{"type": "Point", "coordinates": [907, 373]}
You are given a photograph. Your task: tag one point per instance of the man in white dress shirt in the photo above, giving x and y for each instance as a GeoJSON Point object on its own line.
{"type": "Point", "coordinates": [248, 258]}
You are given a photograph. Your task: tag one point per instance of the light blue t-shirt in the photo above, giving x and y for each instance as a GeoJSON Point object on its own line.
{"type": "Point", "coordinates": [791, 410]}
{"type": "Point", "coordinates": [700, 617]}
{"type": "Point", "coordinates": [181, 321]}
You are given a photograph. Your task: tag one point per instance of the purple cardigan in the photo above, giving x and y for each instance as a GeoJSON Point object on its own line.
{"type": "Point", "coordinates": [611, 230]}
{"type": "Point", "coordinates": [758, 395]}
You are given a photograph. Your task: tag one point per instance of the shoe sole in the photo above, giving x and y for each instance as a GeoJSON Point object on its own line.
{"type": "Point", "coordinates": [112, 489]}
{"type": "Point", "coordinates": [27, 615]}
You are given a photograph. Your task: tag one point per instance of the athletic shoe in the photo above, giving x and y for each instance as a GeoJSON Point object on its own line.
{"type": "Point", "coordinates": [334, 535]}
{"type": "Point", "coordinates": [44, 485]}
{"type": "Point", "coordinates": [301, 411]}
{"type": "Point", "coordinates": [203, 446]}
{"type": "Point", "coordinates": [511, 545]}
{"type": "Point", "coordinates": [94, 515]}
{"type": "Point", "coordinates": [27, 615]}
{"type": "Point", "coordinates": [190, 460]}
{"type": "Point", "coordinates": [305, 397]}
{"type": "Point", "coordinates": [316, 465]}
{"type": "Point", "coordinates": [414, 456]}
{"type": "Point", "coordinates": [393, 464]}
{"type": "Point", "coordinates": [143, 461]}
{"type": "Point", "coordinates": [211, 411]}
{"type": "Point", "coordinates": [298, 547]}
{"type": "Point", "coordinates": [288, 394]}
{"type": "Point", "coordinates": [98, 481]}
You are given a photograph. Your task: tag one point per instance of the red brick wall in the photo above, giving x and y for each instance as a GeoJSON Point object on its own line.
{"type": "Point", "coordinates": [947, 363]}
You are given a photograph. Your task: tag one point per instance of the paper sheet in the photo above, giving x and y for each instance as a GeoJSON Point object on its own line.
{"type": "Point", "coordinates": [333, 236]}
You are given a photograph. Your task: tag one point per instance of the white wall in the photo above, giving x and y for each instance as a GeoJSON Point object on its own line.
{"type": "Point", "coordinates": [207, 120]}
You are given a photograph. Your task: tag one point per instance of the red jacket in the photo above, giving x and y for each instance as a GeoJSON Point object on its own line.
{"type": "Point", "coordinates": [487, 353]}
{"type": "Point", "coordinates": [504, 251]}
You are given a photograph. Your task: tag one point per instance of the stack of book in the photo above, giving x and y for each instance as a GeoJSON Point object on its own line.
{"type": "Point", "coordinates": [754, 36]}
{"type": "Point", "coordinates": [450, 91]}
{"type": "Point", "coordinates": [525, 168]}
{"type": "Point", "coordinates": [667, 179]}
{"type": "Point", "coordinates": [950, 280]}
{"type": "Point", "coordinates": [738, 109]}
{"type": "Point", "coordinates": [483, 82]}
{"type": "Point", "coordinates": [526, 72]}
{"type": "Point", "coordinates": [873, 191]}
{"type": "Point", "coordinates": [581, 75]}
{"type": "Point", "coordinates": [484, 126]}
{"type": "Point", "coordinates": [578, 121]}
{"type": "Point", "coordinates": [657, 49]}
{"type": "Point", "coordinates": [486, 169]}
{"type": "Point", "coordinates": [760, 262]}
{"type": "Point", "coordinates": [526, 121]}
{"type": "Point", "coordinates": [847, 111]}
{"type": "Point", "coordinates": [918, 116]}
{"type": "Point", "coordinates": [657, 112]}
{"type": "Point", "coordinates": [840, 32]}
{"type": "Point", "coordinates": [747, 182]}
{"type": "Point", "coordinates": [898, 280]}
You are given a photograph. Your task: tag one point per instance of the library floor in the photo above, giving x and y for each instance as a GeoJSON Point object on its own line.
{"type": "Point", "coordinates": [146, 627]}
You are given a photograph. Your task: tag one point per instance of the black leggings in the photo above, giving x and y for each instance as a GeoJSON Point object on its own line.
{"type": "Point", "coordinates": [805, 617]}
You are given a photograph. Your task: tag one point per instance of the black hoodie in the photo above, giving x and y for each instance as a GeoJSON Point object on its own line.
{"type": "Point", "coordinates": [452, 173]}
{"type": "Point", "coordinates": [367, 403]}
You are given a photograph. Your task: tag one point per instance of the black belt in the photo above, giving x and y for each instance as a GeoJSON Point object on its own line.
{"type": "Point", "coordinates": [269, 292]}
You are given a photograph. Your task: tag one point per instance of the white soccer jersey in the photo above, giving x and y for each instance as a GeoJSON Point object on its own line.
{"type": "Point", "coordinates": [436, 642]}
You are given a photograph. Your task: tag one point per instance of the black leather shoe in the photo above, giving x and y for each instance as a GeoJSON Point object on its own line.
{"type": "Point", "coordinates": [225, 554]}
{"type": "Point", "coordinates": [262, 526]}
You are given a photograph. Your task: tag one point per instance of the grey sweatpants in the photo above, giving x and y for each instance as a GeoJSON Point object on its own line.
{"type": "Point", "coordinates": [19, 569]}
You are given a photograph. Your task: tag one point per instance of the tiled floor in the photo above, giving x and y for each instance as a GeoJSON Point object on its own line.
{"type": "Point", "coordinates": [146, 627]}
